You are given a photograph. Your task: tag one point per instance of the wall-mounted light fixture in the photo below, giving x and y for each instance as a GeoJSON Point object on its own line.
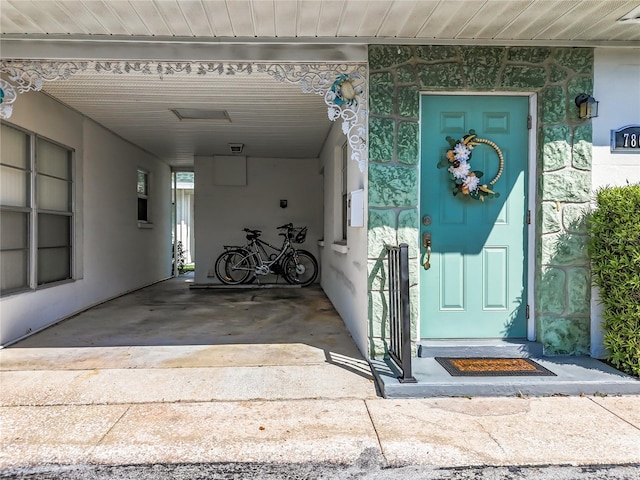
{"type": "Point", "coordinates": [587, 106]}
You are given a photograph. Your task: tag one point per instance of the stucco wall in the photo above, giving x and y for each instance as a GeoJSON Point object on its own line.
{"type": "Point", "coordinates": [222, 211]}
{"type": "Point", "coordinates": [556, 75]}
{"type": "Point", "coordinates": [617, 88]}
{"type": "Point", "coordinates": [112, 255]}
{"type": "Point", "coordinates": [344, 274]}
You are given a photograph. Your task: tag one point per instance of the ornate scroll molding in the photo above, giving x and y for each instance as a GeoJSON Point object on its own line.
{"type": "Point", "coordinates": [27, 76]}
{"type": "Point", "coordinates": [343, 86]}
{"type": "Point", "coordinates": [330, 82]}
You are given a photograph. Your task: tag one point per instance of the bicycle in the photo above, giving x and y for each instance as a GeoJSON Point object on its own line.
{"type": "Point", "coordinates": [239, 265]}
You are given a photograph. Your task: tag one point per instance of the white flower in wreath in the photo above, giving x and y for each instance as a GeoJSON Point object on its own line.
{"type": "Point", "coordinates": [461, 171]}
{"type": "Point", "coordinates": [334, 113]}
{"type": "Point", "coordinates": [462, 152]}
{"type": "Point", "coordinates": [471, 182]}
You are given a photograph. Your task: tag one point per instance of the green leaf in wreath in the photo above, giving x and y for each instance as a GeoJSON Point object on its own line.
{"type": "Point", "coordinates": [496, 195]}
{"type": "Point", "coordinates": [478, 173]}
{"type": "Point", "coordinates": [443, 163]}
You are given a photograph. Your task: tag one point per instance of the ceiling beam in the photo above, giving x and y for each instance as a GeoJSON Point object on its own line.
{"type": "Point", "coordinates": [226, 49]}
{"type": "Point", "coordinates": [175, 49]}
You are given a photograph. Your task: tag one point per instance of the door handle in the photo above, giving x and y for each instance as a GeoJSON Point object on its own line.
{"type": "Point", "coordinates": [426, 243]}
{"type": "Point", "coordinates": [426, 239]}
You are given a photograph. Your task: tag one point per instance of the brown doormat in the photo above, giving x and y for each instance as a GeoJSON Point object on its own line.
{"type": "Point", "coordinates": [492, 367]}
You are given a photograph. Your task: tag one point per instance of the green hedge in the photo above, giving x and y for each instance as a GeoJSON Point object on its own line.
{"type": "Point", "coordinates": [615, 260]}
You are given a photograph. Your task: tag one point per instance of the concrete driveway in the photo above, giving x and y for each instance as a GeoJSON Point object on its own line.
{"type": "Point", "coordinates": [167, 342]}
{"type": "Point", "coordinates": [266, 377]}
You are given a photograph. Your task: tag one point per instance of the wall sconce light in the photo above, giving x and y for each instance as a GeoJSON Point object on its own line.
{"type": "Point", "coordinates": [587, 106]}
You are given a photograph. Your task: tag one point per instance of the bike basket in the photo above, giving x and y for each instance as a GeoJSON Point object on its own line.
{"type": "Point", "coordinates": [298, 235]}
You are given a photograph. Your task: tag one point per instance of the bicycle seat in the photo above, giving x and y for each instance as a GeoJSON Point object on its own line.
{"type": "Point", "coordinates": [252, 234]}
{"type": "Point", "coordinates": [288, 225]}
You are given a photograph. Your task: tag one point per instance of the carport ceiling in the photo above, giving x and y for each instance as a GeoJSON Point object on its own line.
{"type": "Point", "coordinates": [270, 118]}
{"type": "Point", "coordinates": [274, 119]}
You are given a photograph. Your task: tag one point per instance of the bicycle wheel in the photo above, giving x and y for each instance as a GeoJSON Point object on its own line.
{"type": "Point", "coordinates": [300, 268]}
{"type": "Point", "coordinates": [234, 267]}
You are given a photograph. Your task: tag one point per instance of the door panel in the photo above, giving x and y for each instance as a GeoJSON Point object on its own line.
{"type": "Point", "coordinates": [476, 285]}
{"type": "Point", "coordinates": [453, 278]}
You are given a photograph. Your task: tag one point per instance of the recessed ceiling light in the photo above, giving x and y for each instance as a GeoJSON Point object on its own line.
{"type": "Point", "coordinates": [201, 115]}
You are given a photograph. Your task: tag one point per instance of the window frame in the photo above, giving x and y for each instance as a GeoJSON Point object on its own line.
{"type": "Point", "coordinates": [143, 222]}
{"type": "Point", "coordinates": [26, 209]}
{"type": "Point", "coordinates": [33, 212]}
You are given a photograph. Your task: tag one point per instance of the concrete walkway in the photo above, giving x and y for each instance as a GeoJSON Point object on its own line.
{"type": "Point", "coordinates": [172, 375]}
{"type": "Point", "coordinates": [436, 432]}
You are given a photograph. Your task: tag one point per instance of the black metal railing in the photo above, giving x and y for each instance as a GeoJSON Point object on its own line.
{"type": "Point", "coordinates": [400, 310]}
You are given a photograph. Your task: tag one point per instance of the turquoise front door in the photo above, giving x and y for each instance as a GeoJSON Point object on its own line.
{"type": "Point", "coordinates": [475, 283]}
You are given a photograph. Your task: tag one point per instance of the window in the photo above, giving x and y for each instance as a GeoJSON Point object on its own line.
{"type": "Point", "coordinates": [345, 193]}
{"type": "Point", "coordinates": [143, 196]}
{"type": "Point", "coordinates": [15, 201]}
{"type": "Point", "coordinates": [36, 211]}
{"type": "Point", "coordinates": [54, 211]}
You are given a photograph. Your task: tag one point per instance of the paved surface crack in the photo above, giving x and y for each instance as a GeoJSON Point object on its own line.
{"type": "Point", "coordinates": [484, 429]}
{"type": "Point", "coordinates": [615, 414]}
{"type": "Point", "coordinates": [114, 424]}
{"type": "Point", "coordinates": [384, 457]}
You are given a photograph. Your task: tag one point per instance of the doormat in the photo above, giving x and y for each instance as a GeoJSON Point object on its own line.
{"type": "Point", "coordinates": [492, 367]}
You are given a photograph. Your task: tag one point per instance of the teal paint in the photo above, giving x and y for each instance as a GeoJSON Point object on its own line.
{"type": "Point", "coordinates": [557, 75]}
{"type": "Point", "coordinates": [476, 286]}
{"type": "Point", "coordinates": [393, 186]}
{"type": "Point", "coordinates": [382, 135]}
{"type": "Point", "coordinates": [549, 218]}
{"type": "Point", "coordinates": [407, 147]}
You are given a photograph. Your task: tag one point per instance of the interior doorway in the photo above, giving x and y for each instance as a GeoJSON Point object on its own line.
{"type": "Point", "coordinates": [183, 238]}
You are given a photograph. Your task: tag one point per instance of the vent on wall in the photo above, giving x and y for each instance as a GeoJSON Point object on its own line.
{"type": "Point", "coordinates": [201, 115]}
{"type": "Point", "coordinates": [632, 17]}
{"type": "Point", "coordinates": [236, 148]}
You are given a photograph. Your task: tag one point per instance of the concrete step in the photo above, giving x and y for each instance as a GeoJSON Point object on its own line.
{"type": "Point", "coordinates": [499, 348]}
{"type": "Point", "coordinates": [573, 376]}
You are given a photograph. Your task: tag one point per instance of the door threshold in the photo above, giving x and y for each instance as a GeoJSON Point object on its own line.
{"type": "Point", "coordinates": [479, 347]}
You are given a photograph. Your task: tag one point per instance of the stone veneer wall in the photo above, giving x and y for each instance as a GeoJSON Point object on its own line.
{"type": "Point", "coordinates": [557, 75]}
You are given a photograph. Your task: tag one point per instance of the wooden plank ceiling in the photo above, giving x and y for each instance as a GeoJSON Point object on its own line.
{"type": "Point", "coordinates": [499, 20]}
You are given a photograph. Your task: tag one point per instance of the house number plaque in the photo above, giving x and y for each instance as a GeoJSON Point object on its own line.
{"type": "Point", "coordinates": [626, 139]}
